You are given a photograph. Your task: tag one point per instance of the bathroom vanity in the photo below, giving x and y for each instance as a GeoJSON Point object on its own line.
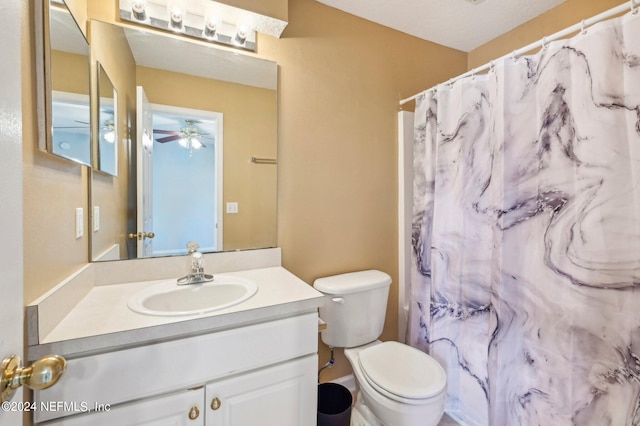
{"type": "Point", "coordinates": [251, 363]}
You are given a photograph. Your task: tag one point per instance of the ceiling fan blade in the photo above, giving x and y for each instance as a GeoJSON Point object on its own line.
{"type": "Point", "coordinates": [81, 122]}
{"type": "Point", "coordinates": [167, 132]}
{"type": "Point", "coordinates": [168, 139]}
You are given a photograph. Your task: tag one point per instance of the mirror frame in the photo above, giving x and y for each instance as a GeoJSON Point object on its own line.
{"type": "Point", "coordinates": [44, 83]}
{"type": "Point", "coordinates": [100, 75]}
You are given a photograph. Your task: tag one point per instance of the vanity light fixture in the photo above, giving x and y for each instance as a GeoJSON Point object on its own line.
{"type": "Point", "coordinates": [210, 21]}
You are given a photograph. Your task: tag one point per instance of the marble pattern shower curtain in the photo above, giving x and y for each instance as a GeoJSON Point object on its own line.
{"type": "Point", "coordinates": [526, 234]}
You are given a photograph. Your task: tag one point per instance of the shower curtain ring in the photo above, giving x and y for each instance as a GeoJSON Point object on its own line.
{"type": "Point", "coordinates": [514, 56]}
{"type": "Point", "coordinates": [544, 43]}
{"type": "Point", "coordinates": [583, 27]}
{"type": "Point", "coordinates": [634, 8]}
{"type": "Point", "coordinates": [492, 67]}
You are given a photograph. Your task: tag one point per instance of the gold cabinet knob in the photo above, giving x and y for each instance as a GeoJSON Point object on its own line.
{"type": "Point", "coordinates": [215, 404]}
{"type": "Point", "coordinates": [42, 374]}
{"type": "Point", "coordinates": [194, 413]}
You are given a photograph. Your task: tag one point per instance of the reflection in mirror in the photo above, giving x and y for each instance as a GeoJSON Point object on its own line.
{"type": "Point", "coordinates": [70, 130]}
{"type": "Point", "coordinates": [186, 180]}
{"type": "Point", "coordinates": [107, 119]}
{"type": "Point", "coordinates": [185, 75]}
{"type": "Point", "coordinates": [68, 115]}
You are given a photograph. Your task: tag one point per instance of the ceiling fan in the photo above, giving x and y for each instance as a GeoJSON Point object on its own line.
{"type": "Point", "coordinates": [188, 137]}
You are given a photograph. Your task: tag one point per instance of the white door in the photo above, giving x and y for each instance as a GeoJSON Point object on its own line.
{"type": "Point", "coordinates": [11, 261]}
{"type": "Point", "coordinates": [144, 143]}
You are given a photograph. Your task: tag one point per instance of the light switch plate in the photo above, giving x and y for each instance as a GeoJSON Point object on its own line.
{"type": "Point", "coordinates": [96, 218]}
{"type": "Point", "coordinates": [232, 208]}
{"type": "Point", "coordinates": [79, 222]}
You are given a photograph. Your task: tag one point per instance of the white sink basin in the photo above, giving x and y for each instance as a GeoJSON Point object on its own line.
{"type": "Point", "coordinates": [170, 299]}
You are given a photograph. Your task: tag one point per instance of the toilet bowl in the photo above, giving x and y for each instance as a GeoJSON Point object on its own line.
{"type": "Point", "coordinates": [398, 385]}
{"type": "Point", "coordinates": [406, 395]}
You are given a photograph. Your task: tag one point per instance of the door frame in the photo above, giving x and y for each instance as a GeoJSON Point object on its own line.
{"type": "Point", "coordinates": [11, 172]}
{"type": "Point", "coordinates": [219, 157]}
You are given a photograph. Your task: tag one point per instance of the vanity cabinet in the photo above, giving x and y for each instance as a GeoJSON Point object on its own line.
{"type": "Point", "coordinates": [284, 395]}
{"type": "Point", "coordinates": [184, 408]}
{"type": "Point", "coordinates": [263, 373]}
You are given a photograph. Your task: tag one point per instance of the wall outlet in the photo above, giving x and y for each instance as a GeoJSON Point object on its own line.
{"type": "Point", "coordinates": [232, 208]}
{"type": "Point", "coordinates": [79, 222]}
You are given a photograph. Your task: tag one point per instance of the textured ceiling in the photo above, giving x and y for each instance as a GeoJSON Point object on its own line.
{"type": "Point", "coordinates": [460, 24]}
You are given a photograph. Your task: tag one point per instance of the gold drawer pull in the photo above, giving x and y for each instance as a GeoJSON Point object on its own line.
{"type": "Point", "coordinates": [215, 404]}
{"type": "Point", "coordinates": [194, 413]}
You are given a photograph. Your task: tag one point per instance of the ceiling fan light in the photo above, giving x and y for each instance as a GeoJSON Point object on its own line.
{"type": "Point", "coordinates": [110, 136]}
{"type": "Point", "coordinates": [196, 144]}
{"type": "Point", "coordinates": [183, 142]}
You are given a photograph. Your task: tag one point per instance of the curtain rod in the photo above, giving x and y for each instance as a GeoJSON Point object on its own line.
{"type": "Point", "coordinates": [630, 5]}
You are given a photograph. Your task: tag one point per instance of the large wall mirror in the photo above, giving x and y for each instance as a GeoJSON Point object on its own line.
{"type": "Point", "coordinates": [67, 115]}
{"type": "Point", "coordinates": [182, 99]}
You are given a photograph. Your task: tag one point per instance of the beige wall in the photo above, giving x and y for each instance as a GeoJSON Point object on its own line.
{"type": "Point", "coordinates": [249, 115]}
{"type": "Point", "coordinates": [73, 76]}
{"type": "Point", "coordinates": [341, 78]}
{"type": "Point", "coordinates": [563, 16]}
{"type": "Point", "coordinates": [274, 8]}
{"type": "Point", "coordinates": [53, 189]}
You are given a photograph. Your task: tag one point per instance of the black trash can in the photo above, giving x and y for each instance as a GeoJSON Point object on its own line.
{"type": "Point", "coordinates": [334, 405]}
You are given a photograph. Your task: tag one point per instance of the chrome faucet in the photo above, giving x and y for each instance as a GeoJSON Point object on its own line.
{"type": "Point", "coordinates": [197, 275]}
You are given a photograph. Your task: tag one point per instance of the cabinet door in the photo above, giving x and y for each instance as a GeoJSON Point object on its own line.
{"type": "Point", "coordinates": [176, 409]}
{"type": "Point", "coordinates": [281, 395]}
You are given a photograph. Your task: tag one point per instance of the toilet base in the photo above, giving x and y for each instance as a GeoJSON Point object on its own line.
{"type": "Point", "coordinates": [361, 415]}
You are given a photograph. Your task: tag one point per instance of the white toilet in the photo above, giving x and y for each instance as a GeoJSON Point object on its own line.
{"type": "Point", "coordinates": [397, 385]}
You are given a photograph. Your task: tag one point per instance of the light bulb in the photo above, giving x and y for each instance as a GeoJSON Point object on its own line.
{"type": "Point", "coordinates": [110, 136]}
{"type": "Point", "coordinates": [184, 142]}
{"type": "Point", "coordinates": [241, 34]}
{"type": "Point", "coordinates": [138, 10]}
{"type": "Point", "coordinates": [196, 144]}
{"type": "Point", "coordinates": [176, 15]}
{"type": "Point", "coordinates": [210, 26]}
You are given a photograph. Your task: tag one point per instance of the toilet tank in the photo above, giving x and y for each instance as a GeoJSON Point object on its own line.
{"type": "Point", "coordinates": [354, 308]}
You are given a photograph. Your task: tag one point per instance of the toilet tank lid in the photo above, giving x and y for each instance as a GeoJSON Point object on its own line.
{"type": "Point", "coordinates": [352, 282]}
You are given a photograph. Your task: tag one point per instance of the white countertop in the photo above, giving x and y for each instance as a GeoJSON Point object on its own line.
{"type": "Point", "coordinates": [102, 320]}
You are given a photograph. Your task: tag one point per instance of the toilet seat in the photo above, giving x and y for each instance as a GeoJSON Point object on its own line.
{"type": "Point", "coordinates": [401, 372]}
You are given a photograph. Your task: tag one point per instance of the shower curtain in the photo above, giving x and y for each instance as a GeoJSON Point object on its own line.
{"type": "Point", "coordinates": [526, 234]}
